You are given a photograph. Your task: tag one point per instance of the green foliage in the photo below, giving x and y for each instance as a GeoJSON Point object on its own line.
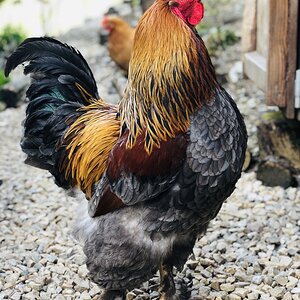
{"type": "Point", "coordinates": [220, 40]}
{"type": "Point", "coordinates": [203, 28]}
{"type": "Point", "coordinates": [216, 12]}
{"type": "Point", "coordinates": [3, 79]}
{"type": "Point", "coordinates": [12, 1]}
{"type": "Point", "coordinates": [215, 7]}
{"type": "Point", "coordinates": [10, 37]}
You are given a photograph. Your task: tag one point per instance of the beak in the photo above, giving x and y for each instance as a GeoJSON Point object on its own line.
{"type": "Point", "coordinates": [173, 3]}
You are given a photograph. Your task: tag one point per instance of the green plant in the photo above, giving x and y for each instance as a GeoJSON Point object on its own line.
{"type": "Point", "coordinates": [3, 79]}
{"type": "Point", "coordinates": [11, 36]}
{"type": "Point", "coordinates": [220, 40]}
{"type": "Point", "coordinates": [13, 2]}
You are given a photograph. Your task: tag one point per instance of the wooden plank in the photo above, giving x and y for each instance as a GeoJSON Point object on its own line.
{"type": "Point", "coordinates": [298, 40]}
{"type": "Point", "coordinates": [255, 61]}
{"type": "Point", "coordinates": [263, 17]}
{"type": "Point", "coordinates": [249, 26]}
{"type": "Point", "coordinates": [282, 54]}
{"type": "Point", "coordinates": [255, 67]}
{"type": "Point", "coordinates": [293, 45]}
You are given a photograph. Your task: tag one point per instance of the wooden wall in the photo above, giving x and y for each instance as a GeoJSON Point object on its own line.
{"type": "Point", "coordinates": [271, 59]}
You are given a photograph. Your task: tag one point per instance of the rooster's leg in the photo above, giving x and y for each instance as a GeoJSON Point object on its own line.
{"type": "Point", "coordinates": [167, 286]}
{"type": "Point", "coordinates": [112, 295]}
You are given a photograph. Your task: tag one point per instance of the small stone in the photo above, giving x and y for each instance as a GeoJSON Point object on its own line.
{"type": "Point", "coordinates": [282, 280]}
{"type": "Point", "coordinates": [45, 295]}
{"type": "Point", "coordinates": [287, 296]}
{"type": "Point", "coordinates": [250, 271]}
{"type": "Point", "coordinates": [241, 292]}
{"type": "Point", "coordinates": [234, 297]}
{"type": "Point", "coordinates": [13, 278]}
{"type": "Point", "coordinates": [296, 290]}
{"type": "Point", "coordinates": [268, 280]}
{"type": "Point", "coordinates": [253, 296]}
{"type": "Point", "coordinates": [206, 274]}
{"type": "Point", "coordinates": [83, 271]}
{"type": "Point", "coordinates": [15, 296]}
{"type": "Point", "coordinates": [227, 287]}
{"type": "Point", "coordinates": [52, 258]}
{"type": "Point", "coordinates": [81, 285]}
{"type": "Point", "coordinates": [85, 296]}
{"type": "Point", "coordinates": [37, 286]}
{"type": "Point", "coordinates": [205, 262]}
{"type": "Point", "coordinates": [286, 261]}
{"type": "Point", "coordinates": [292, 282]}
{"type": "Point", "coordinates": [130, 296]}
{"type": "Point", "coordinates": [222, 246]}
{"type": "Point", "coordinates": [59, 269]}
{"type": "Point", "coordinates": [277, 292]}
{"type": "Point", "coordinates": [67, 285]}
{"type": "Point", "coordinates": [215, 285]}
{"type": "Point", "coordinates": [95, 290]}
{"type": "Point", "coordinates": [154, 294]}
{"type": "Point", "coordinates": [192, 264]}
{"type": "Point", "coordinates": [197, 252]}
{"type": "Point", "coordinates": [257, 279]}
{"type": "Point", "coordinates": [241, 276]}
{"type": "Point", "coordinates": [67, 292]}
{"type": "Point", "coordinates": [204, 291]}
{"type": "Point", "coordinates": [29, 296]}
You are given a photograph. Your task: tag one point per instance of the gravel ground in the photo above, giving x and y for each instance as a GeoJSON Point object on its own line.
{"type": "Point", "coordinates": [251, 250]}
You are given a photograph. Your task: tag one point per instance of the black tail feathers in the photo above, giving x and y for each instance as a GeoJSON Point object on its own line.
{"type": "Point", "coordinates": [62, 83]}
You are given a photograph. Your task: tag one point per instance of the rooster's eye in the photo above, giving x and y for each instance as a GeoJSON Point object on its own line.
{"type": "Point", "coordinates": [173, 3]}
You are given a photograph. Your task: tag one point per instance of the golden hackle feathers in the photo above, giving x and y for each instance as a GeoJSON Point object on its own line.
{"type": "Point", "coordinates": [163, 82]}
{"type": "Point", "coordinates": [90, 139]}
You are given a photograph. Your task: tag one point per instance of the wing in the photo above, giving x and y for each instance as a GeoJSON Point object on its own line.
{"type": "Point", "coordinates": [133, 176]}
{"type": "Point", "coordinates": [215, 155]}
{"type": "Point", "coordinates": [216, 152]}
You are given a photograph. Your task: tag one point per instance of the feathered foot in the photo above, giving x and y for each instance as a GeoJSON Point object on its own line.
{"type": "Point", "coordinates": [112, 295]}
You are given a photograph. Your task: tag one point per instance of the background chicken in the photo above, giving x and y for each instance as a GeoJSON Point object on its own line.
{"type": "Point", "coordinates": [120, 40]}
{"type": "Point", "coordinates": [158, 166]}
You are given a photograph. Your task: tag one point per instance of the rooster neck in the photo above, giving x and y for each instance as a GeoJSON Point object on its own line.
{"type": "Point", "coordinates": [170, 76]}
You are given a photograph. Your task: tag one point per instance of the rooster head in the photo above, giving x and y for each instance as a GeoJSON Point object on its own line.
{"type": "Point", "coordinates": [190, 11]}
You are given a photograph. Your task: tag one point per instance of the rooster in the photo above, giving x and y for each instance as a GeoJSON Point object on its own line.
{"type": "Point", "coordinates": [120, 40]}
{"type": "Point", "coordinates": [157, 167]}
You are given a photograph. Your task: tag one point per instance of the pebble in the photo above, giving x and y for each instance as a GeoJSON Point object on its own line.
{"type": "Point", "coordinates": [234, 297]}
{"type": "Point", "coordinates": [227, 287]}
{"type": "Point", "coordinates": [253, 296]}
{"type": "Point", "coordinates": [296, 291]}
{"type": "Point", "coordinates": [204, 291]}
{"type": "Point", "coordinates": [130, 296]}
{"type": "Point", "coordinates": [278, 292]}
{"type": "Point", "coordinates": [292, 282]}
{"type": "Point", "coordinates": [282, 280]}
{"type": "Point", "coordinates": [257, 279]}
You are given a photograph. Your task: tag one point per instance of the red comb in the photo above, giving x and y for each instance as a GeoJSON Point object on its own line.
{"type": "Point", "coordinates": [197, 15]}
{"type": "Point", "coordinates": [104, 21]}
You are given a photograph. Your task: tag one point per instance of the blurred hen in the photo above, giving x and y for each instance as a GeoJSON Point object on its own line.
{"type": "Point", "coordinates": [120, 40]}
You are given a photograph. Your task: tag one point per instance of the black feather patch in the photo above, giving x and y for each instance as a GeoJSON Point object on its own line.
{"type": "Point", "coordinates": [62, 83]}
